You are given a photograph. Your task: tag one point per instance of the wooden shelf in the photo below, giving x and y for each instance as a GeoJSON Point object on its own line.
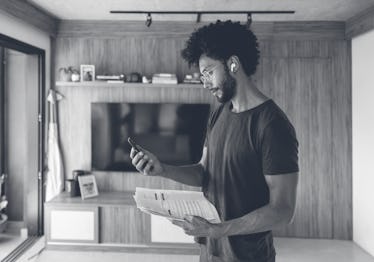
{"type": "Point", "coordinates": [137, 85]}
{"type": "Point", "coordinates": [103, 199]}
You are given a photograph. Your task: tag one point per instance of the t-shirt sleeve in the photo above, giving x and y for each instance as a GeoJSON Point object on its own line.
{"type": "Point", "coordinates": [279, 148]}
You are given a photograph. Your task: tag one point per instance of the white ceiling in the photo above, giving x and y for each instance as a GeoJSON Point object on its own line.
{"type": "Point", "coordinates": [306, 10]}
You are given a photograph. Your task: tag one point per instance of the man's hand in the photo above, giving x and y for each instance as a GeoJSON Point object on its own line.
{"type": "Point", "coordinates": [198, 227]}
{"type": "Point", "coordinates": [146, 162]}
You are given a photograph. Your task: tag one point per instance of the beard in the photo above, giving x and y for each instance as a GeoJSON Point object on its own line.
{"type": "Point", "coordinates": [228, 88]}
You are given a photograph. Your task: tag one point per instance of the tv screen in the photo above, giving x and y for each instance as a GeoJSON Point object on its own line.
{"type": "Point", "coordinates": [174, 132]}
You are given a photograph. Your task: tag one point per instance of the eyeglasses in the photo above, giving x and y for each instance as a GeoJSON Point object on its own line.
{"type": "Point", "coordinates": [207, 76]}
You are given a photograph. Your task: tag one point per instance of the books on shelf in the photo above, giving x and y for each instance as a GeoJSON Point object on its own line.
{"type": "Point", "coordinates": [175, 204]}
{"type": "Point", "coordinates": [164, 79]}
{"type": "Point", "coordinates": [110, 77]}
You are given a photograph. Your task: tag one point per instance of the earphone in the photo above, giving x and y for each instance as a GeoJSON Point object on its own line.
{"type": "Point", "coordinates": [232, 67]}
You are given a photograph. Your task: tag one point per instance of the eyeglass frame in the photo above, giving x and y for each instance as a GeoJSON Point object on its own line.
{"type": "Point", "coordinates": [207, 75]}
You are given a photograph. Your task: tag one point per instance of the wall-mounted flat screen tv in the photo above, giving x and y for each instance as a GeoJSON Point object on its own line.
{"type": "Point", "coordinates": [174, 132]}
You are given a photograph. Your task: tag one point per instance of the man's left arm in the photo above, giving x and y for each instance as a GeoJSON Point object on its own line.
{"type": "Point", "coordinates": [278, 212]}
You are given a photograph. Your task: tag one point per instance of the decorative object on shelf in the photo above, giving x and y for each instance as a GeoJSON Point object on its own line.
{"type": "Point", "coordinates": [75, 77]}
{"type": "Point", "coordinates": [55, 171]}
{"type": "Point", "coordinates": [145, 80]}
{"type": "Point", "coordinates": [192, 79]}
{"type": "Point", "coordinates": [87, 73]}
{"type": "Point", "coordinates": [72, 187]}
{"type": "Point", "coordinates": [134, 77]}
{"type": "Point", "coordinates": [164, 78]}
{"type": "Point", "coordinates": [111, 78]}
{"type": "Point", "coordinates": [65, 73]}
{"type": "Point", "coordinates": [75, 191]}
{"type": "Point", "coordinates": [88, 186]}
{"type": "Point", "coordinates": [3, 205]}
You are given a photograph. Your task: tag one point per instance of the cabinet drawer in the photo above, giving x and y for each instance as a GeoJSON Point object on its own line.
{"type": "Point", "coordinates": [72, 224]}
{"type": "Point", "coordinates": [125, 225]}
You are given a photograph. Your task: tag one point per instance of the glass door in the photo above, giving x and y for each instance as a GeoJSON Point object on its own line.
{"type": "Point", "coordinates": [21, 145]}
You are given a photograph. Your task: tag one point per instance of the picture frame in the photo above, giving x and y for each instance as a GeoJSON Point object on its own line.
{"type": "Point", "coordinates": [87, 73]}
{"type": "Point", "coordinates": [88, 186]}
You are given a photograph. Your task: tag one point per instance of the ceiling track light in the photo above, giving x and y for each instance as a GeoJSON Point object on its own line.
{"type": "Point", "coordinates": [249, 20]}
{"type": "Point", "coordinates": [148, 21]}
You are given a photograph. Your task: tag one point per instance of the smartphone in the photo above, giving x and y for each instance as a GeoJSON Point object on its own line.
{"type": "Point", "coordinates": [134, 145]}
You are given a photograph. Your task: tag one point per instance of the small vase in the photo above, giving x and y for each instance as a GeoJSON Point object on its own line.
{"type": "Point", "coordinates": [75, 77]}
{"type": "Point", "coordinates": [65, 74]}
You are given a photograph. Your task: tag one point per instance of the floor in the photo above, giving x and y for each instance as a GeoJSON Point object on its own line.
{"type": "Point", "coordinates": [8, 242]}
{"type": "Point", "coordinates": [288, 250]}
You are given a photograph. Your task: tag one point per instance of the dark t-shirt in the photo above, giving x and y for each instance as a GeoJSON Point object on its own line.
{"type": "Point", "coordinates": [242, 148]}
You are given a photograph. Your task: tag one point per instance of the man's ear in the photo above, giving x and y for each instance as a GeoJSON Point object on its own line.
{"type": "Point", "coordinates": [233, 63]}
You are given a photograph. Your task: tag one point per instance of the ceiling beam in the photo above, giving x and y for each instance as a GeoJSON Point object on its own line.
{"type": "Point", "coordinates": [30, 14]}
{"type": "Point", "coordinates": [360, 23]}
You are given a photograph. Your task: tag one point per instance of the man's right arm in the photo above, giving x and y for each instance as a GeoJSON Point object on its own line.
{"type": "Point", "coordinates": [148, 164]}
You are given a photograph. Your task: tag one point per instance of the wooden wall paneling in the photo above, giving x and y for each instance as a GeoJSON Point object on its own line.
{"type": "Point", "coordinates": [341, 154]}
{"type": "Point", "coordinates": [321, 145]}
{"type": "Point", "coordinates": [301, 86]}
{"type": "Point", "coordinates": [125, 181]}
{"type": "Point", "coordinates": [126, 225]}
{"type": "Point", "coordinates": [116, 56]}
{"type": "Point", "coordinates": [303, 30]}
{"type": "Point", "coordinates": [294, 48]}
{"type": "Point", "coordinates": [298, 92]}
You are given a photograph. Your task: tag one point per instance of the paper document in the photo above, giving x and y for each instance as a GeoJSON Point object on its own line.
{"type": "Point", "coordinates": [175, 204]}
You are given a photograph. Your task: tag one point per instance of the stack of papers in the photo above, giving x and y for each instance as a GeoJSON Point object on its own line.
{"type": "Point", "coordinates": [175, 204]}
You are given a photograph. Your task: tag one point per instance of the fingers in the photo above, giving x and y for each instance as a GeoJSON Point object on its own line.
{"type": "Point", "coordinates": [184, 225]}
{"type": "Point", "coordinates": [133, 152]}
{"type": "Point", "coordinates": [179, 223]}
{"type": "Point", "coordinates": [149, 167]}
{"type": "Point", "coordinates": [141, 162]}
{"type": "Point", "coordinates": [194, 226]}
{"type": "Point", "coordinates": [189, 218]}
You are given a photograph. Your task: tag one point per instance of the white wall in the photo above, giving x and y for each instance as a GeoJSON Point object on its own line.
{"type": "Point", "coordinates": [15, 28]}
{"type": "Point", "coordinates": [363, 140]}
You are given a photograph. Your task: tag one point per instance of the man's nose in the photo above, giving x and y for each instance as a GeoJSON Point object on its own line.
{"type": "Point", "coordinates": [207, 84]}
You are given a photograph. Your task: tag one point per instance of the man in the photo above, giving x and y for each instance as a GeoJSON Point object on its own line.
{"type": "Point", "coordinates": [249, 166]}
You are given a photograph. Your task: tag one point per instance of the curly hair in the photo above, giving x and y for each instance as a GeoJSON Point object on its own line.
{"type": "Point", "coordinates": [221, 40]}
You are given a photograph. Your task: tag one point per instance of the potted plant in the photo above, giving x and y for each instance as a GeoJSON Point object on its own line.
{"type": "Point", "coordinates": [3, 204]}
{"type": "Point", "coordinates": [65, 73]}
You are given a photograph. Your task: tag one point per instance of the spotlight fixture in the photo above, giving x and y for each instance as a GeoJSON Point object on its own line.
{"type": "Point", "coordinates": [148, 22]}
{"type": "Point", "coordinates": [249, 20]}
